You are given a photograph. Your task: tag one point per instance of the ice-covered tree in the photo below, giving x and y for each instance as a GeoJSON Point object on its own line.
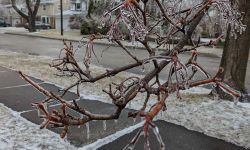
{"type": "Point", "coordinates": [182, 20]}
{"type": "Point", "coordinates": [236, 51]}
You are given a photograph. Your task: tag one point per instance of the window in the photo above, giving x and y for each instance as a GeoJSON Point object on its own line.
{"type": "Point", "coordinates": [44, 7]}
{"type": "Point", "coordinates": [78, 6]}
{"type": "Point", "coordinates": [59, 7]}
{"type": "Point", "coordinates": [45, 19]}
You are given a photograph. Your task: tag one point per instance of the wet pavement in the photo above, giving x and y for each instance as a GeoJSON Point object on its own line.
{"type": "Point", "coordinates": [78, 135]}
{"type": "Point", "coordinates": [175, 137]}
{"type": "Point", "coordinates": [17, 95]}
{"type": "Point", "coordinates": [20, 98]}
{"type": "Point", "coordinates": [11, 79]}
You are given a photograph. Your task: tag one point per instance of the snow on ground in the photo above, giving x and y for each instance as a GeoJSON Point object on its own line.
{"type": "Point", "coordinates": [18, 133]}
{"type": "Point", "coordinates": [220, 119]}
{"type": "Point", "coordinates": [196, 111]}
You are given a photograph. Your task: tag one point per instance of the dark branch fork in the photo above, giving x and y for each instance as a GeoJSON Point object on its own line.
{"type": "Point", "coordinates": [134, 16]}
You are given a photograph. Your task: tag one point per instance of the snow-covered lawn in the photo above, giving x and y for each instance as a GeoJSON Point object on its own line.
{"type": "Point", "coordinates": [196, 111]}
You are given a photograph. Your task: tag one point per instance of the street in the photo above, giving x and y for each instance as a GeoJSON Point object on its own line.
{"type": "Point", "coordinates": [112, 57]}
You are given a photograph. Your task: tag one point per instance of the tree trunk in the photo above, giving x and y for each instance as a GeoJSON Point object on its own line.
{"type": "Point", "coordinates": [32, 12]}
{"type": "Point", "coordinates": [236, 51]}
{"type": "Point", "coordinates": [32, 23]}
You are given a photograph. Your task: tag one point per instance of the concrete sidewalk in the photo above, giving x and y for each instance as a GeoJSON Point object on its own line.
{"type": "Point", "coordinates": [17, 95]}
{"type": "Point", "coordinates": [74, 35]}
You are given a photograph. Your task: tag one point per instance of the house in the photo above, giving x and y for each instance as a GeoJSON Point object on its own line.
{"type": "Point", "coordinates": [8, 13]}
{"type": "Point", "coordinates": [46, 12]}
{"type": "Point", "coordinates": [49, 12]}
{"type": "Point", "coordinates": [73, 8]}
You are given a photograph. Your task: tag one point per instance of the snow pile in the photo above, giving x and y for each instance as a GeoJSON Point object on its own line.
{"type": "Point", "coordinates": [18, 133]}
{"type": "Point", "coordinates": [196, 111]}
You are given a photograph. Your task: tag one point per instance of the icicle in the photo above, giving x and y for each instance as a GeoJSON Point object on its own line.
{"type": "Point", "coordinates": [134, 119]}
{"type": "Point", "coordinates": [133, 39]}
{"type": "Point", "coordinates": [162, 114]}
{"type": "Point", "coordinates": [46, 105]}
{"type": "Point", "coordinates": [157, 133]}
{"type": "Point", "coordinates": [216, 96]}
{"type": "Point", "coordinates": [130, 104]}
{"type": "Point", "coordinates": [88, 131]}
{"type": "Point", "coordinates": [104, 122]}
{"type": "Point", "coordinates": [186, 85]}
{"type": "Point", "coordinates": [38, 112]}
{"type": "Point", "coordinates": [143, 68]}
{"type": "Point", "coordinates": [236, 100]}
{"type": "Point", "coordinates": [142, 119]}
{"type": "Point", "coordinates": [81, 117]}
{"type": "Point", "coordinates": [133, 142]}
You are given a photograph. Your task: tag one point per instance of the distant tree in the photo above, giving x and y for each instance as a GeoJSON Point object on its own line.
{"type": "Point", "coordinates": [90, 8]}
{"type": "Point", "coordinates": [2, 8]}
{"type": "Point", "coordinates": [1, 12]}
{"type": "Point", "coordinates": [30, 16]}
{"type": "Point", "coordinates": [236, 51]}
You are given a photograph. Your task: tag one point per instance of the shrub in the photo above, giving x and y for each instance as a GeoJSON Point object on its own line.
{"type": "Point", "coordinates": [90, 26]}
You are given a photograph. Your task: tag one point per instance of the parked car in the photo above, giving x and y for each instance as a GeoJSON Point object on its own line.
{"type": "Point", "coordinates": [43, 26]}
{"type": "Point", "coordinates": [3, 23]}
{"type": "Point", "coordinates": [40, 25]}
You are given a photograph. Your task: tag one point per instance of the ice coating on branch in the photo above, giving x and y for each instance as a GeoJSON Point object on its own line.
{"type": "Point", "coordinates": [115, 33]}
{"type": "Point", "coordinates": [158, 136]}
{"type": "Point", "coordinates": [130, 19]}
{"type": "Point", "coordinates": [229, 13]}
{"type": "Point", "coordinates": [236, 100]}
{"type": "Point", "coordinates": [134, 23]}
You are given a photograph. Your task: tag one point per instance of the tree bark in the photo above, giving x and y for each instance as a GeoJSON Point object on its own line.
{"type": "Point", "coordinates": [32, 23]}
{"type": "Point", "coordinates": [235, 53]}
{"type": "Point", "coordinates": [32, 12]}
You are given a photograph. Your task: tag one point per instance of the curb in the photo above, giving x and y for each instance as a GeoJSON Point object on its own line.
{"type": "Point", "coordinates": [104, 43]}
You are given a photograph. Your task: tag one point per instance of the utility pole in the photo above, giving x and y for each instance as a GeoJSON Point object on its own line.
{"type": "Point", "coordinates": [61, 17]}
